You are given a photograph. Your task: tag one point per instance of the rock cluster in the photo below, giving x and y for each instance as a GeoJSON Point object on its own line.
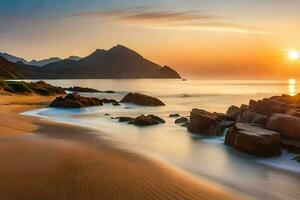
{"type": "Point", "coordinates": [260, 128]}
{"type": "Point", "coordinates": [142, 100]}
{"type": "Point", "coordinates": [75, 101]}
{"type": "Point", "coordinates": [143, 120]}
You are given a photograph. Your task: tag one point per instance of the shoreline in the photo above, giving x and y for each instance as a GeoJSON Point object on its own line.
{"type": "Point", "coordinates": [59, 162]}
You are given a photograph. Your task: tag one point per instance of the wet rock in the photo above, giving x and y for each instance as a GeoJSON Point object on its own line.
{"type": "Point", "coordinates": [125, 119]}
{"type": "Point", "coordinates": [158, 119]}
{"type": "Point", "coordinates": [181, 120]}
{"type": "Point", "coordinates": [287, 125]}
{"type": "Point", "coordinates": [206, 123]}
{"type": "Point", "coordinates": [145, 121]}
{"type": "Point", "coordinates": [142, 100]}
{"type": "Point", "coordinates": [112, 101]}
{"type": "Point", "coordinates": [253, 140]}
{"type": "Point", "coordinates": [174, 115]}
{"type": "Point", "coordinates": [75, 101]}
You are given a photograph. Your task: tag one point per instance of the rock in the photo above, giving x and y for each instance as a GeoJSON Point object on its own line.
{"type": "Point", "coordinates": [75, 101]}
{"type": "Point", "coordinates": [125, 119]}
{"type": "Point", "coordinates": [268, 106]}
{"type": "Point", "coordinates": [112, 101]}
{"type": "Point", "coordinates": [174, 115]}
{"type": "Point", "coordinates": [233, 111]}
{"type": "Point", "coordinates": [145, 121]}
{"type": "Point", "coordinates": [109, 91]}
{"type": "Point", "coordinates": [141, 99]}
{"type": "Point", "coordinates": [81, 89]}
{"type": "Point", "coordinates": [206, 123]}
{"type": "Point", "coordinates": [294, 112]}
{"type": "Point", "coordinates": [290, 148]}
{"type": "Point", "coordinates": [158, 119]}
{"type": "Point", "coordinates": [181, 120]}
{"type": "Point", "coordinates": [287, 125]}
{"type": "Point", "coordinates": [254, 118]}
{"type": "Point", "coordinates": [253, 140]}
{"type": "Point", "coordinates": [116, 104]}
{"type": "Point", "coordinates": [106, 114]}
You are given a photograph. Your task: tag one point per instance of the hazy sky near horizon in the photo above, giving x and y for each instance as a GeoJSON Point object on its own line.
{"type": "Point", "coordinates": [199, 38]}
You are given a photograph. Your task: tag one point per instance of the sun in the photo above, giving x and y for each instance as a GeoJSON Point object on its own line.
{"type": "Point", "coordinates": [294, 55]}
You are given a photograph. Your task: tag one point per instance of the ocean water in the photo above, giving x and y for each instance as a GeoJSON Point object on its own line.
{"type": "Point", "coordinates": [208, 157]}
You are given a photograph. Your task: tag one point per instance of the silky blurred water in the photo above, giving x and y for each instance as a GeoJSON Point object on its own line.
{"type": "Point", "coordinates": [276, 178]}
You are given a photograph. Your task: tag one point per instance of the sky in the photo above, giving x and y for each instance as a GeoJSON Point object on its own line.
{"type": "Point", "coordinates": [230, 39]}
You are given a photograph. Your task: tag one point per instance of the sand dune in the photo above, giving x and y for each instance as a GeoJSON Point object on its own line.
{"type": "Point", "coordinates": [59, 161]}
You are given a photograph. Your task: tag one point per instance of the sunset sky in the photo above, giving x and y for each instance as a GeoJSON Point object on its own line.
{"type": "Point", "coordinates": [199, 38]}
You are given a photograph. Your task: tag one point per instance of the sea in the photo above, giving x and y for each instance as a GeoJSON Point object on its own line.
{"type": "Point", "coordinates": [206, 157]}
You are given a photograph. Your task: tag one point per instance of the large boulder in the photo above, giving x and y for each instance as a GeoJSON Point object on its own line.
{"type": "Point", "coordinates": [253, 140]}
{"type": "Point", "coordinates": [206, 123]}
{"type": "Point", "coordinates": [141, 99]}
{"type": "Point", "coordinates": [75, 101]}
{"type": "Point", "coordinates": [287, 125]}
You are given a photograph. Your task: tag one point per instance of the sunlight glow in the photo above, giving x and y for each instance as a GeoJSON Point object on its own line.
{"type": "Point", "coordinates": [292, 87]}
{"type": "Point", "coordinates": [294, 55]}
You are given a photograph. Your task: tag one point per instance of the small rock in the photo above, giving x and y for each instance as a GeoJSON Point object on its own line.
{"type": "Point", "coordinates": [125, 119]}
{"type": "Point", "coordinates": [174, 115]}
{"type": "Point", "coordinates": [181, 120]}
{"type": "Point", "coordinates": [144, 121]}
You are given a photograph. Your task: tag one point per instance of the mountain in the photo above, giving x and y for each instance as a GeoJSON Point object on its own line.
{"type": "Point", "coordinates": [39, 63]}
{"type": "Point", "coordinates": [12, 58]}
{"type": "Point", "coordinates": [19, 70]}
{"type": "Point", "coordinates": [44, 61]}
{"type": "Point", "coordinates": [118, 62]}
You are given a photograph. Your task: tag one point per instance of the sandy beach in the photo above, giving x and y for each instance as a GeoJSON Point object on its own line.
{"type": "Point", "coordinates": [46, 160]}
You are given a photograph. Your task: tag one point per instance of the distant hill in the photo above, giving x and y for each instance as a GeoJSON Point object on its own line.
{"type": "Point", "coordinates": [19, 70]}
{"type": "Point", "coordinates": [118, 62]}
{"type": "Point", "coordinates": [39, 63]}
{"type": "Point", "coordinates": [12, 58]}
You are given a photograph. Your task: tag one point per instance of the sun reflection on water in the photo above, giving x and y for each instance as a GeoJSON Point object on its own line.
{"type": "Point", "coordinates": [292, 87]}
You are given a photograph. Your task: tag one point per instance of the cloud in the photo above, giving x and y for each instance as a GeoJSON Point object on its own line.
{"type": "Point", "coordinates": [169, 19]}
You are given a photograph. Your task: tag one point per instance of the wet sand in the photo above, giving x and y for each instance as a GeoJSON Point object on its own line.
{"type": "Point", "coordinates": [46, 160]}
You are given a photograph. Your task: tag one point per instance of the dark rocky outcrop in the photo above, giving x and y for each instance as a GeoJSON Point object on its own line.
{"type": "Point", "coordinates": [75, 101]}
{"type": "Point", "coordinates": [181, 120]}
{"type": "Point", "coordinates": [28, 88]}
{"type": "Point", "coordinates": [112, 101]}
{"type": "Point", "coordinates": [253, 140]}
{"type": "Point", "coordinates": [206, 123]}
{"type": "Point", "coordinates": [142, 100]}
{"type": "Point", "coordinates": [81, 89]}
